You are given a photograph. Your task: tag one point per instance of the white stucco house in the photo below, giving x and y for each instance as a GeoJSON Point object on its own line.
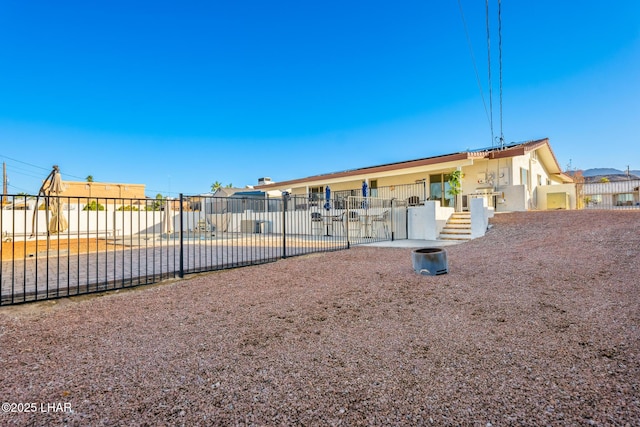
{"type": "Point", "coordinates": [515, 177]}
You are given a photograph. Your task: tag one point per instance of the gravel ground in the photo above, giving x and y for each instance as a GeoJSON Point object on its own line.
{"type": "Point", "coordinates": [537, 323]}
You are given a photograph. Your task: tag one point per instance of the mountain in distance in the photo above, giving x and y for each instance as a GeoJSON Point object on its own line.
{"type": "Point", "coordinates": [611, 174]}
{"type": "Point", "coordinates": [607, 171]}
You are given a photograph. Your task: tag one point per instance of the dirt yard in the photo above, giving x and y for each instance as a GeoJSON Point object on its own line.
{"type": "Point", "coordinates": [20, 249]}
{"type": "Point", "coordinates": [537, 323]}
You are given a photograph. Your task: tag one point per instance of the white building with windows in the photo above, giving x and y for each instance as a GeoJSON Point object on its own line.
{"type": "Point", "coordinates": [515, 177]}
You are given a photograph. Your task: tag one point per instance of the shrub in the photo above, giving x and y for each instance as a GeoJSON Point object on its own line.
{"type": "Point", "coordinates": [93, 206]}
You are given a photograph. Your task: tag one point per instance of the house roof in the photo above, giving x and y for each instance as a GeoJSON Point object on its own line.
{"type": "Point", "coordinates": [227, 191]}
{"type": "Point", "coordinates": [509, 150]}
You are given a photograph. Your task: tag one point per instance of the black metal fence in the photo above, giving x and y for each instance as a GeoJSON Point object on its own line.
{"type": "Point", "coordinates": [413, 194]}
{"type": "Point", "coordinates": [605, 194]}
{"type": "Point", "coordinates": [62, 246]}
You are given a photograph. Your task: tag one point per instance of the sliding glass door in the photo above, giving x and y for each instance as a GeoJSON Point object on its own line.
{"type": "Point", "coordinates": [439, 189]}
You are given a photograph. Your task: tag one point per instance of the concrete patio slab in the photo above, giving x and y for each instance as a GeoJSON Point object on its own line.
{"type": "Point", "coordinates": [414, 243]}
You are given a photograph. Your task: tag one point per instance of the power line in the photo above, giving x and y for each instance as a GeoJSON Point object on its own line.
{"type": "Point", "coordinates": [500, 58]}
{"type": "Point", "coordinates": [473, 60]}
{"type": "Point", "coordinates": [18, 188]}
{"type": "Point", "coordinates": [489, 67]}
{"type": "Point", "coordinates": [14, 168]}
{"type": "Point", "coordinates": [24, 163]}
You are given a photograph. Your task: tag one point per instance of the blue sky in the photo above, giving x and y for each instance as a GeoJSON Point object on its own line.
{"type": "Point", "coordinates": [177, 95]}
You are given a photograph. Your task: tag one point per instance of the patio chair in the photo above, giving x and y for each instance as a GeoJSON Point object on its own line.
{"type": "Point", "coordinates": [317, 224]}
{"type": "Point", "coordinates": [203, 226]}
{"type": "Point", "coordinates": [338, 220]}
{"type": "Point", "coordinates": [353, 224]}
{"type": "Point", "coordinates": [383, 221]}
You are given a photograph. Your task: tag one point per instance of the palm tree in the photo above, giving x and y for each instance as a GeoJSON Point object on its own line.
{"type": "Point", "coordinates": [216, 186]}
{"type": "Point", "coordinates": [89, 178]}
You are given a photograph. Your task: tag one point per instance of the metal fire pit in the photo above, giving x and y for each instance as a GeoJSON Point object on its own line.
{"type": "Point", "coordinates": [430, 261]}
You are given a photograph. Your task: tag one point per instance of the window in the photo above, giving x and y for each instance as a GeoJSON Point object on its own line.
{"type": "Point", "coordinates": [524, 176]}
{"type": "Point", "coordinates": [373, 187]}
{"type": "Point", "coordinates": [593, 200]}
{"type": "Point", "coordinates": [439, 190]}
{"type": "Point", "coordinates": [316, 193]}
{"type": "Point", "coordinates": [623, 199]}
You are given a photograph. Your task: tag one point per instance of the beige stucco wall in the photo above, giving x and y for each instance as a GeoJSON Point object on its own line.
{"type": "Point", "coordinates": [387, 181]}
{"type": "Point", "coordinates": [485, 174]}
{"type": "Point", "coordinates": [303, 189]}
{"type": "Point", "coordinates": [501, 175]}
{"type": "Point", "coordinates": [103, 190]}
{"type": "Point", "coordinates": [544, 190]}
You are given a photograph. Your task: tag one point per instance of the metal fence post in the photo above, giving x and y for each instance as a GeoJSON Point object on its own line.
{"type": "Point", "coordinates": [348, 219]}
{"type": "Point", "coordinates": [181, 272]}
{"type": "Point", "coordinates": [424, 190]}
{"type": "Point", "coordinates": [393, 229]}
{"type": "Point", "coordinates": [285, 197]}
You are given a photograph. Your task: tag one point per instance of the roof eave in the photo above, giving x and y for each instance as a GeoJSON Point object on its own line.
{"type": "Point", "coordinates": [372, 169]}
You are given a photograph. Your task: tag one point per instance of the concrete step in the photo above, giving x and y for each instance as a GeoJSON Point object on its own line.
{"type": "Point", "coordinates": [444, 236]}
{"type": "Point", "coordinates": [460, 216]}
{"type": "Point", "coordinates": [452, 230]}
{"type": "Point", "coordinates": [458, 227]}
{"type": "Point", "coordinates": [458, 224]}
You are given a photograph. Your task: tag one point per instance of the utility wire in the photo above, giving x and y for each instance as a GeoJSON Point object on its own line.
{"type": "Point", "coordinates": [489, 64]}
{"type": "Point", "coordinates": [24, 163]}
{"type": "Point", "coordinates": [14, 170]}
{"type": "Point", "coordinates": [473, 60]}
{"type": "Point", "coordinates": [34, 166]}
{"type": "Point", "coordinates": [500, 49]}
{"type": "Point", "coordinates": [18, 188]}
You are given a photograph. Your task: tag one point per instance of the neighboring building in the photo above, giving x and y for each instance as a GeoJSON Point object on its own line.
{"type": "Point", "coordinates": [234, 200]}
{"type": "Point", "coordinates": [93, 190]}
{"type": "Point", "coordinates": [515, 177]}
{"type": "Point", "coordinates": [608, 194]}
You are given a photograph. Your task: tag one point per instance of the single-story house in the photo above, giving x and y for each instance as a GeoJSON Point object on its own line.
{"type": "Point", "coordinates": [235, 200]}
{"type": "Point", "coordinates": [513, 177]}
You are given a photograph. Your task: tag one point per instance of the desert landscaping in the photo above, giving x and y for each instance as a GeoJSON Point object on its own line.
{"type": "Point", "coordinates": [536, 323]}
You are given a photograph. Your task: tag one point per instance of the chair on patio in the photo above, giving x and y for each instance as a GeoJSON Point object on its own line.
{"type": "Point", "coordinates": [317, 224]}
{"type": "Point", "coordinates": [353, 224]}
{"type": "Point", "coordinates": [413, 201]}
{"type": "Point", "coordinates": [338, 220]}
{"type": "Point", "coordinates": [203, 226]}
{"type": "Point", "coordinates": [381, 221]}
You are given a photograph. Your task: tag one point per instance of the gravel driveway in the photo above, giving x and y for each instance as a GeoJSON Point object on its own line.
{"type": "Point", "coordinates": [537, 323]}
